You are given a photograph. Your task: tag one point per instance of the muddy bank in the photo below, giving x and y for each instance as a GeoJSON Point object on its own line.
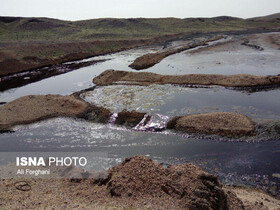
{"type": "Point", "coordinates": [151, 59]}
{"type": "Point", "coordinates": [130, 119]}
{"type": "Point", "coordinates": [220, 123]}
{"type": "Point", "coordinates": [15, 58]}
{"type": "Point", "coordinates": [29, 109]}
{"type": "Point", "coordinates": [256, 47]}
{"type": "Point", "coordinates": [27, 77]}
{"type": "Point", "coordinates": [138, 183]}
{"type": "Point", "coordinates": [110, 77]}
{"type": "Point", "coordinates": [229, 125]}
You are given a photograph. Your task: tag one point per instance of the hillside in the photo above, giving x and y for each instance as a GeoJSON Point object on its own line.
{"type": "Point", "coordinates": [44, 29]}
{"type": "Point", "coordinates": [28, 43]}
{"type": "Point", "coordinates": [275, 17]}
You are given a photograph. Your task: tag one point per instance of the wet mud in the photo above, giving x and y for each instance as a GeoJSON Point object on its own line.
{"type": "Point", "coordinates": [247, 43]}
{"type": "Point", "coordinates": [110, 77]}
{"type": "Point", "coordinates": [30, 109]}
{"type": "Point", "coordinates": [219, 123]}
{"type": "Point", "coordinates": [130, 119]}
{"type": "Point", "coordinates": [27, 77]}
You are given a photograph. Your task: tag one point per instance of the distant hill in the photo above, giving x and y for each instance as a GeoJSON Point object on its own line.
{"type": "Point", "coordinates": [47, 29]}
{"type": "Point", "coordinates": [268, 17]}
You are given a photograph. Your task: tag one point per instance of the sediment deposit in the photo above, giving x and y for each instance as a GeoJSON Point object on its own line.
{"type": "Point", "coordinates": [220, 123]}
{"type": "Point", "coordinates": [110, 77]}
{"type": "Point", "coordinates": [137, 183]}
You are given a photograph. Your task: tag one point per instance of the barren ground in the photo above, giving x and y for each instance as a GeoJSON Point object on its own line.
{"type": "Point", "coordinates": [176, 187]}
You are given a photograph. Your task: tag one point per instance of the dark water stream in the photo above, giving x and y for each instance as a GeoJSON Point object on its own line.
{"type": "Point", "coordinates": [241, 163]}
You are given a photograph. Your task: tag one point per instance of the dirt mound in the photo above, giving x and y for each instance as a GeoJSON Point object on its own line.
{"type": "Point", "coordinates": [137, 183]}
{"type": "Point", "coordinates": [185, 186]}
{"type": "Point", "coordinates": [130, 119]}
{"type": "Point", "coordinates": [147, 60]}
{"type": "Point", "coordinates": [29, 109]}
{"type": "Point", "coordinates": [33, 108]}
{"type": "Point", "coordinates": [110, 77]}
{"type": "Point", "coordinates": [220, 123]}
{"type": "Point", "coordinates": [96, 114]}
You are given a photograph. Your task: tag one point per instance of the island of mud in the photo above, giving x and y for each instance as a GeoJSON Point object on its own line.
{"type": "Point", "coordinates": [111, 77]}
{"type": "Point", "coordinates": [221, 123]}
{"type": "Point", "coordinates": [29, 109]}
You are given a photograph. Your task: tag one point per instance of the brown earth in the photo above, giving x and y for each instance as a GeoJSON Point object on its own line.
{"type": "Point", "coordinates": [150, 59]}
{"type": "Point", "coordinates": [130, 119]}
{"type": "Point", "coordinates": [9, 82]}
{"type": "Point", "coordinates": [29, 109]}
{"type": "Point", "coordinates": [273, 39]}
{"type": "Point", "coordinates": [23, 56]}
{"type": "Point", "coordinates": [110, 77]}
{"type": "Point", "coordinates": [137, 183]}
{"type": "Point", "coordinates": [254, 198]}
{"type": "Point", "coordinates": [220, 123]}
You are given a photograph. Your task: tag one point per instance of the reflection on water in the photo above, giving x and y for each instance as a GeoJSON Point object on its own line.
{"type": "Point", "coordinates": [175, 100]}
{"type": "Point", "coordinates": [238, 60]}
{"type": "Point", "coordinates": [234, 163]}
{"type": "Point", "coordinates": [237, 163]}
{"type": "Point", "coordinates": [244, 61]}
{"type": "Point", "coordinates": [77, 80]}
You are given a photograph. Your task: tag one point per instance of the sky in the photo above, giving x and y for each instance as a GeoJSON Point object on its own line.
{"type": "Point", "coordinates": [89, 9]}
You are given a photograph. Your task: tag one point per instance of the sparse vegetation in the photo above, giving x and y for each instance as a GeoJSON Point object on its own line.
{"type": "Point", "coordinates": [42, 29]}
{"type": "Point", "coordinates": [52, 41]}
